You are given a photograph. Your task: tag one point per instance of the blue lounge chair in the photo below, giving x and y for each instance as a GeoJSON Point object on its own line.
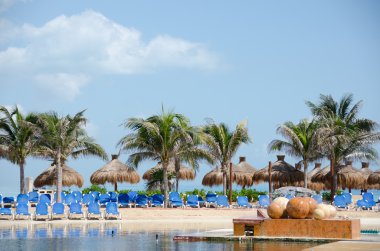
{"type": "Point", "coordinates": [112, 211]}
{"type": "Point", "coordinates": [96, 195]}
{"type": "Point", "coordinates": [123, 200]}
{"type": "Point", "coordinates": [175, 200]}
{"type": "Point", "coordinates": [210, 199]}
{"type": "Point", "coordinates": [263, 200]}
{"type": "Point", "coordinates": [113, 196]}
{"type": "Point", "coordinates": [33, 198]}
{"type": "Point", "coordinates": [317, 198]}
{"type": "Point", "coordinates": [8, 201]}
{"type": "Point", "coordinates": [1, 200]}
{"type": "Point", "coordinates": [104, 199]}
{"type": "Point", "coordinates": [242, 201]}
{"type": "Point", "coordinates": [87, 199]}
{"type": "Point", "coordinates": [22, 209]}
{"type": "Point", "coordinates": [70, 198]}
{"type": "Point", "coordinates": [132, 196]}
{"type": "Point", "coordinates": [222, 201]}
{"type": "Point", "coordinates": [340, 201]}
{"type": "Point", "coordinates": [75, 210]}
{"type": "Point", "coordinates": [369, 198]}
{"type": "Point", "coordinates": [45, 198]}
{"type": "Point", "coordinates": [41, 211]}
{"type": "Point", "coordinates": [192, 201]}
{"type": "Point", "coordinates": [141, 201]}
{"type": "Point", "coordinates": [22, 199]}
{"type": "Point", "coordinates": [63, 195]}
{"type": "Point", "coordinates": [202, 202]}
{"type": "Point", "coordinates": [93, 211]}
{"type": "Point", "coordinates": [158, 200]}
{"type": "Point", "coordinates": [58, 211]}
{"type": "Point", "coordinates": [6, 211]}
{"type": "Point", "coordinates": [78, 196]}
{"type": "Point", "coordinates": [348, 198]}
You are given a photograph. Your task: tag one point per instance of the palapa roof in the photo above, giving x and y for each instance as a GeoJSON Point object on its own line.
{"type": "Point", "coordinates": [283, 174]}
{"type": "Point", "coordinates": [185, 173]}
{"type": "Point", "coordinates": [316, 186]}
{"type": "Point", "coordinates": [347, 176]}
{"type": "Point", "coordinates": [366, 172]}
{"type": "Point", "coordinates": [113, 172]}
{"type": "Point", "coordinates": [373, 179]}
{"type": "Point", "coordinates": [70, 177]}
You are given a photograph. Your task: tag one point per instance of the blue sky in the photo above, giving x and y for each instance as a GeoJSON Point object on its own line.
{"type": "Point", "coordinates": [253, 60]}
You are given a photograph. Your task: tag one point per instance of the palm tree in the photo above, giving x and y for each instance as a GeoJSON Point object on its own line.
{"type": "Point", "coordinates": [62, 137]}
{"type": "Point", "coordinates": [156, 181]}
{"type": "Point", "coordinates": [162, 138]}
{"type": "Point", "coordinates": [300, 142]}
{"type": "Point", "coordinates": [16, 142]}
{"type": "Point", "coordinates": [341, 134]}
{"type": "Point", "coordinates": [222, 143]}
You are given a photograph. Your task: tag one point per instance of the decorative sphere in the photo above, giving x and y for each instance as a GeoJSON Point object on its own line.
{"type": "Point", "coordinates": [325, 209]}
{"type": "Point", "coordinates": [282, 201]}
{"type": "Point", "coordinates": [298, 208]}
{"type": "Point", "coordinates": [312, 206]}
{"type": "Point", "coordinates": [318, 214]}
{"type": "Point", "coordinates": [332, 210]}
{"type": "Point", "coordinates": [275, 211]}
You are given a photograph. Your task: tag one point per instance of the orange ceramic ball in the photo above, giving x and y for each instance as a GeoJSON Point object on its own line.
{"type": "Point", "coordinates": [275, 211]}
{"type": "Point", "coordinates": [312, 206]}
{"type": "Point", "coordinates": [298, 208]}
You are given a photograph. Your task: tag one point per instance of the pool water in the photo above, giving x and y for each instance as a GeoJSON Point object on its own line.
{"type": "Point", "coordinates": [116, 236]}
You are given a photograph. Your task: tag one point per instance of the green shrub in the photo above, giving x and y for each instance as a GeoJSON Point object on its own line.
{"type": "Point", "coordinates": [94, 188]}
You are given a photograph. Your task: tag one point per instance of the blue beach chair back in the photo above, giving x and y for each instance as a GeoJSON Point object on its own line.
{"type": "Point", "coordinates": [22, 209]}
{"type": "Point", "coordinates": [96, 195]}
{"type": "Point", "coordinates": [142, 200]}
{"type": "Point", "coordinates": [111, 208]}
{"type": "Point", "coordinates": [22, 198]}
{"type": "Point", "coordinates": [264, 200]}
{"type": "Point", "coordinates": [94, 208]}
{"type": "Point", "coordinates": [113, 196]}
{"type": "Point", "coordinates": [58, 208]}
{"type": "Point", "coordinates": [222, 201]}
{"type": "Point", "coordinates": [76, 208]}
{"type": "Point", "coordinates": [9, 200]}
{"type": "Point", "coordinates": [63, 195]}
{"type": "Point", "coordinates": [42, 209]}
{"type": "Point", "coordinates": [348, 198]}
{"type": "Point", "coordinates": [45, 198]}
{"type": "Point", "coordinates": [174, 196]}
{"type": "Point", "coordinates": [368, 196]}
{"type": "Point", "coordinates": [211, 197]}
{"type": "Point", "coordinates": [123, 199]}
{"type": "Point", "coordinates": [1, 200]}
{"type": "Point", "coordinates": [340, 201]}
{"type": "Point", "coordinates": [157, 200]}
{"type": "Point", "coordinates": [242, 201]}
{"type": "Point", "coordinates": [104, 198]}
{"type": "Point", "coordinates": [132, 195]}
{"type": "Point", "coordinates": [192, 200]}
{"type": "Point", "coordinates": [77, 195]}
{"type": "Point", "coordinates": [317, 198]}
{"type": "Point", "coordinates": [87, 199]}
{"type": "Point", "coordinates": [70, 198]}
{"type": "Point", "coordinates": [33, 196]}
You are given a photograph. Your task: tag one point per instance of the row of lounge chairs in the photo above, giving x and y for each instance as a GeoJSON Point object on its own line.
{"type": "Point", "coordinates": [344, 201]}
{"type": "Point", "coordinates": [58, 211]}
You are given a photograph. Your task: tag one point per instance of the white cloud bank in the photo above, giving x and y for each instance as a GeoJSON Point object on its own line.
{"type": "Point", "coordinates": [68, 51]}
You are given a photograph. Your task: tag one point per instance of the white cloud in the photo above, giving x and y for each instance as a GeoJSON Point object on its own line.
{"type": "Point", "coordinates": [62, 85]}
{"type": "Point", "coordinates": [64, 53]}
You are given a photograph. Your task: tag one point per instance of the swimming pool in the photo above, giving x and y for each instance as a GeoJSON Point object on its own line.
{"type": "Point", "coordinates": [116, 236]}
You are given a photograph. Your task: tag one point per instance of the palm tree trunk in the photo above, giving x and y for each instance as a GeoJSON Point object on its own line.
{"type": "Point", "coordinates": [177, 167]}
{"type": "Point", "coordinates": [166, 185]}
{"type": "Point", "coordinates": [22, 178]}
{"type": "Point", "coordinates": [224, 180]}
{"type": "Point", "coordinates": [305, 172]}
{"type": "Point", "coordinates": [59, 176]}
{"type": "Point", "coordinates": [333, 177]}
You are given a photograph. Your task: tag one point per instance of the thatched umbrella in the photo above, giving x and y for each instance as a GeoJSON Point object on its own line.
{"type": "Point", "coordinates": [316, 186]}
{"type": "Point", "coordinates": [366, 172]}
{"type": "Point", "coordinates": [185, 173]}
{"type": "Point", "coordinates": [70, 177]}
{"type": "Point", "coordinates": [283, 174]}
{"type": "Point", "coordinates": [374, 179]}
{"type": "Point", "coordinates": [243, 173]}
{"type": "Point", "coordinates": [113, 172]}
{"type": "Point", "coordinates": [347, 176]}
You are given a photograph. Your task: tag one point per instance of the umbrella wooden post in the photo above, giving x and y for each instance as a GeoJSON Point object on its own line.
{"type": "Point", "coordinates": [115, 186]}
{"type": "Point", "coordinates": [230, 183]}
{"type": "Point", "coordinates": [270, 178]}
